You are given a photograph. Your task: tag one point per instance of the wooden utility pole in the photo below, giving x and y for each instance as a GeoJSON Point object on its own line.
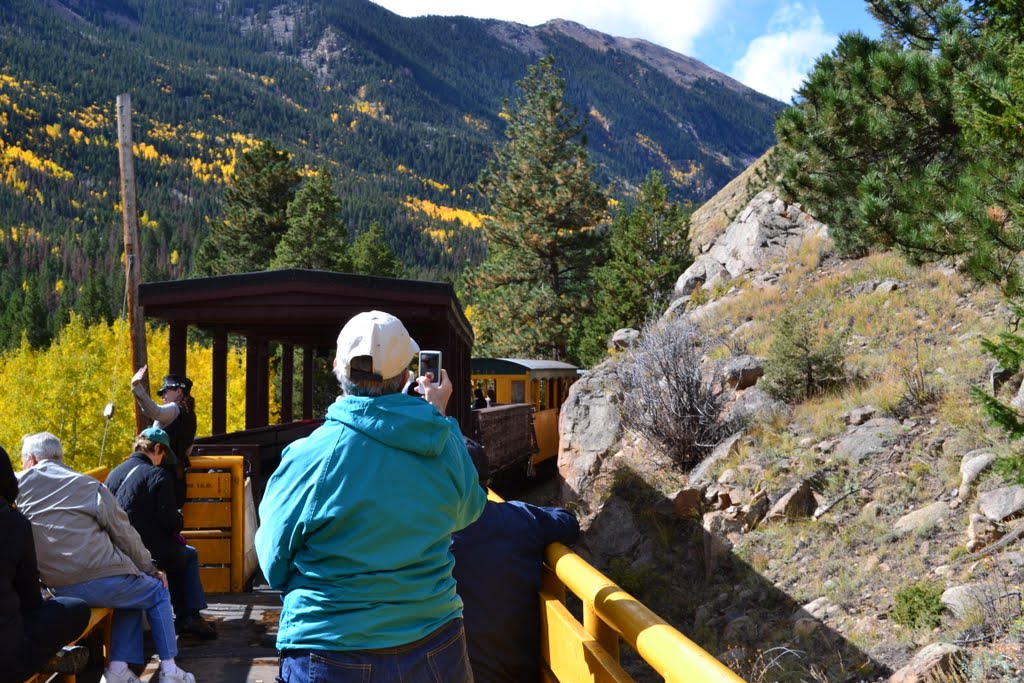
{"type": "Point", "coordinates": [132, 251]}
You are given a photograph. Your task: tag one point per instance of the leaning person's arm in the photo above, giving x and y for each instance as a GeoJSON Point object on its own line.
{"type": "Point", "coordinates": [122, 534]}
{"type": "Point", "coordinates": [558, 524]}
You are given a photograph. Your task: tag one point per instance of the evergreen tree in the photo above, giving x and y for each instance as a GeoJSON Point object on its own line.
{"type": "Point", "coordinates": [316, 238]}
{"type": "Point", "coordinates": [541, 229]}
{"type": "Point", "coordinates": [649, 248]}
{"type": "Point", "coordinates": [912, 142]}
{"type": "Point", "coordinates": [255, 214]}
{"type": "Point", "coordinates": [33, 318]}
{"type": "Point", "coordinates": [371, 254]}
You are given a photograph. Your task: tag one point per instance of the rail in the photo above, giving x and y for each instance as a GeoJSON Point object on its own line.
{"type": "Point", "coordinates": [590, 652]}
{"type": "Point", "coordinates": [575, 652]}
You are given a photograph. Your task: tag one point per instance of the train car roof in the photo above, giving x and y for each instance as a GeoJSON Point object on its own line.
{"type": "Point", "coordinates": [520, 366]}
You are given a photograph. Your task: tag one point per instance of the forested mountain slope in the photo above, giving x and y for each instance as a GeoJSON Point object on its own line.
{"type": "Point", "coordinates": [403, 111]}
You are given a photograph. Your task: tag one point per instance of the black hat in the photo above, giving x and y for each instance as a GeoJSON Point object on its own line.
{"type": "Point", "coordinates": [175, 382]}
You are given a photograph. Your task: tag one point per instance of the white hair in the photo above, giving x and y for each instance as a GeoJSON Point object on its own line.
{"type": "Point", "coordinates": [42, 446]}
{"type": "Point", "coordinates": [369, 387]}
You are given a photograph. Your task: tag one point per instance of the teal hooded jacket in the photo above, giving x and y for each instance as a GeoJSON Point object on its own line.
{"type": "Point", "coordinates": [356, 524]}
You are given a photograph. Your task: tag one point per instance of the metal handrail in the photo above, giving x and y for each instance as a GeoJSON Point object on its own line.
{"type": "Point", "coordinates": [610, 613]}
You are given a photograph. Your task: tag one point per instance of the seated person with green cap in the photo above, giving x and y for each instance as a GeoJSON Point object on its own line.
{"type": "Point", "coordinates": [145, 491]}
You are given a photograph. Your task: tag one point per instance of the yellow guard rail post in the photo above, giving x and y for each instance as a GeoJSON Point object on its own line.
{"type": "Point", "coordinates": [609, 613]}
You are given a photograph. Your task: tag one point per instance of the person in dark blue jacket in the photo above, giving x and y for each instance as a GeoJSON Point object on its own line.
{"type": "Point", "coordinates": [498, 565]}
{"type": "Point", "coordinates": [31, 629]}
{"type": "Point", "coordinates": [144, 489]}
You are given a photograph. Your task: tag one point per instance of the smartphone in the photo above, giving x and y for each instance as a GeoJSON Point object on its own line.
{"type": "Point", "coordinates": [430, 365]}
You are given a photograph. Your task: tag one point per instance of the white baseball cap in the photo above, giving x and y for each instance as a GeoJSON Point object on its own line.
{"type": "Point", "coordinates": [383, 338]}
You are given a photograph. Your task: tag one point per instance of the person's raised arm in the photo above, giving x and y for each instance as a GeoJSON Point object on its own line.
{"type": "Point", "coordinates": [164, 414]}
{"type": "Point", "coordinates": [437, 394]}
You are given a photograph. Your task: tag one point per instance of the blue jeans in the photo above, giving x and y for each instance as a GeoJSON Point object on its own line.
{"type": "Point", "coordinates": [187, 596]}
{"type": "Point", "coordinates": [438, 658]}
{"type": "Point", "coordinates": [130, 596]}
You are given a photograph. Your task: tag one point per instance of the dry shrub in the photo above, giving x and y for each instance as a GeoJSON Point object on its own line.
{"type": "Point", "coordinates": [672, 396]}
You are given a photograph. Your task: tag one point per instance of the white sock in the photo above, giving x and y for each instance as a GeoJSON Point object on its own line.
{"type": "Point", "coordinates": [118, 667]}
{"type": "Point", "coordinates": [168, 665]}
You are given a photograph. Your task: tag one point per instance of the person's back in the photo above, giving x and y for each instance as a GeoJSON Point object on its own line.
{"type": "Point", "coordinates": [357, 523]}
{"type": "Point", "coordinates": [70, 514]}
{"type": "Point", "coordinates": [498, 568]}
{"type": "Point", "coordinates": [381, 505]}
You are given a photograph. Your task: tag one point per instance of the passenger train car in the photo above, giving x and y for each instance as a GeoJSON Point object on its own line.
{"type": "Point", "coordinates": [520, 426]}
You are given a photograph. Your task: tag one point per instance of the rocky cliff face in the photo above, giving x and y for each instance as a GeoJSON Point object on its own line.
{"type": "Point", "coordinates": [799, 538]}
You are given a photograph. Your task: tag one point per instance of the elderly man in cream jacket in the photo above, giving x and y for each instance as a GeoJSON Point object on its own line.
{"type": "Point", "coordinates": [87, 549]}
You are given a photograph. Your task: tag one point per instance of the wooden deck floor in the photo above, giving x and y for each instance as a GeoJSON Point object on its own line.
{"type": "Point", "coordinates": [243, 652]}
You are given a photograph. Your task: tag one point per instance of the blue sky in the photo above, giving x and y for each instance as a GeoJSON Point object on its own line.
{"type": "Point", "coordinates": [770, 45]}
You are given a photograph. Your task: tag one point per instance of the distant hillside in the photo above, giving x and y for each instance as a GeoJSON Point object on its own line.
{"type": "Point", "coordinates": [404, 111]}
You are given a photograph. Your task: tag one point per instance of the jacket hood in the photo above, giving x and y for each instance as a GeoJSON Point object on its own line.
{"type": "Point", "coordinates": [398, 421]}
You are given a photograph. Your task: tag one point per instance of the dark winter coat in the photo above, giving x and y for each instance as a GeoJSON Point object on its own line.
{"type": "Point", "coordinates": [498, 569]}
{"type": "Point", "coordinates": [19, 578]}
{"type": "Point", "coordinates": [146, 493]}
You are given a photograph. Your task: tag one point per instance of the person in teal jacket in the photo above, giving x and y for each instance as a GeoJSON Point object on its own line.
{"type": "Point", "coordinates": [356, 523]}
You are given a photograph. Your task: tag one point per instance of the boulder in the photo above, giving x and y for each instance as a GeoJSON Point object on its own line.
{"type": "Point", "coordinates": [971, 466]}
{"type": "Point", "coordinates": [921, 520]}
{"type": "Point", "coordinates": [935, 662]}
{"type": "Point", "coordinates": [589, 430]}
{"type": "Point", "coordinates": [798, 503]}
{"type": "Point", "coordinates": [1003, 503]}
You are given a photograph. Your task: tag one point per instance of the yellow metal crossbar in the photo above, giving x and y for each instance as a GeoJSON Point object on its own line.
{"type": "Point", "coordinates": [610, 613]}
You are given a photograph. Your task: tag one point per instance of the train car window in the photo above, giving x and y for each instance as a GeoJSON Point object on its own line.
{"type": "Point", "coordinates": [518, 391]}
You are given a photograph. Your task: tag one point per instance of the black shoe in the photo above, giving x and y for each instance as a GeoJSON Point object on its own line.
{"type": "Point", "coordinates": [71, 659]}
{"type": "Point", "coordinates": [196, 626]}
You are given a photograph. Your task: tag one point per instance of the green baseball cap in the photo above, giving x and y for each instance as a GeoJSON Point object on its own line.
{"type": "Point", "coordinates": [157, 435]}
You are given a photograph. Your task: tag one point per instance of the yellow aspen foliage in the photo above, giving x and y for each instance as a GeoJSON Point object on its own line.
{"type": "Point", "coordinates": [90, 367]}
{"type": "Point", "coordinates": [76, 135]}
{"type": "Point", "coordinates": [444, 213]}
{"type": "Point", "coordinates": [148, 222]}
{"type": "Point", "coordinates": [145, 151]}
{"type": "Point", "coordinates": [334, 117]}
{"type": "Point", "coordinates": [59, 287]}
{"type": "Point", "coordinates": [53, 130]}
{"type": "Point", "coordinates": [175, 257]}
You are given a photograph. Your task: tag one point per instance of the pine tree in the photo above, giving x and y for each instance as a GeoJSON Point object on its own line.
{"type": "Point", "coordinates": [912, 142]}
{"type": "Point", "coordinates": [541, 230]}
{"type": "Point", "coordinates": [649, 248]}
{"type": "Point", "coordinates": [371, 254]}
{"type": "Point", "coordinates": [316, 237]}
{"type": "Point", "coordinates": [255, 214]}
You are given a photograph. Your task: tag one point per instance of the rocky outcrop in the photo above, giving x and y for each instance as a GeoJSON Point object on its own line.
{"type": "Point", "coordinates": [764, 232]}
{"type": "Point", "coordinates": [589, 429]}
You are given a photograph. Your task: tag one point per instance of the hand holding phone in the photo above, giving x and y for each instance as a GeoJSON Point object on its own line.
{"type": "Point", "coordinates": [430, 366]}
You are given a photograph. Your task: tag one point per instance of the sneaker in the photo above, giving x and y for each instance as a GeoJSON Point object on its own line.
{"type": "Point", "coordinates": [126, 676]}
{"type": "Point", "coordinates": [196, 626]}
{"type": "Point", "coordinates": [70, 660]}
{"type": "Point", "coordinates": [176, 676]}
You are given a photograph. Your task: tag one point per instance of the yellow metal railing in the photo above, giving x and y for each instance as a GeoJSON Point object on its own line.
{"type": "Point", "coordinates": [610, 613]}
{"type": "Point", "coordinates": [577, 653]}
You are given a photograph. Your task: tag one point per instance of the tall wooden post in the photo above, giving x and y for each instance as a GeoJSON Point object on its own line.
{"type": "Point", "coordinates": [132, 251]}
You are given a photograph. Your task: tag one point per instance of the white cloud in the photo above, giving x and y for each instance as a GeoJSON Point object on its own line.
{"type": "Point", "coordinates": [673, 25]}
{"type": "Point", "coordinates": [777, 63]}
